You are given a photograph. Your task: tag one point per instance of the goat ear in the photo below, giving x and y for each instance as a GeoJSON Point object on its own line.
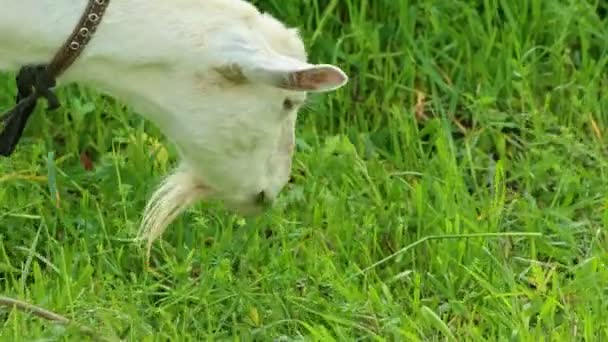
{"type": "Point", "coordinates": [291, 74]}
{"type": "Point", "coordinates": [316, 78]}
{"type": "Point", "coordinates": [244, 63]}
{"type": "Point", "coordinates": [310, 78]}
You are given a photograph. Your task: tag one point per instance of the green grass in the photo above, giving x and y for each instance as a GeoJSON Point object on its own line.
{"type": "Point", "coordinates": [455, 190]}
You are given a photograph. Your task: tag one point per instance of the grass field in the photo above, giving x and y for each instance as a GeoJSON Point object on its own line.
{"type": "Point", "coordinates": [455, 190]}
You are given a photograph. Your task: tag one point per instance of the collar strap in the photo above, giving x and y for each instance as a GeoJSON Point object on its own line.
{"type": "Point", "coordinates": [36, 81]}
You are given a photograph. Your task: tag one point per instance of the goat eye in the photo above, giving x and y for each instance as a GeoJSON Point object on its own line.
{"type": "Point", "coordinates": [287, 104]}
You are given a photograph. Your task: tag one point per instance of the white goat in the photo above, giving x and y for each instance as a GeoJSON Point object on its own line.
{"type": "Point", "coordinates": [221, 80]}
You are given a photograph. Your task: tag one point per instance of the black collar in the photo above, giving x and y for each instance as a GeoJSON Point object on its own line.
{"type": "Point", "coordinates": [36, 81]}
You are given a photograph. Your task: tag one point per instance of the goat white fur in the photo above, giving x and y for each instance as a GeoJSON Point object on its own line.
{"type": "Point", "coordinates": [222, 81]}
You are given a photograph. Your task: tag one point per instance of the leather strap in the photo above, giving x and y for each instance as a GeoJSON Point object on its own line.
{"type": "Point", "coordinates": [36, 81]}
{"type": "Point", "coordinates": [79, 38]}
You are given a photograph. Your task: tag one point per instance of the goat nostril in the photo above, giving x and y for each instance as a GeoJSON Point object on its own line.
{"type": "Point", "coordinates": [260, 199]}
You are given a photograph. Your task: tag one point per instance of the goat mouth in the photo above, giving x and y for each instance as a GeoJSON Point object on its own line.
{"type": "Point", "coordinates": [249, 208]}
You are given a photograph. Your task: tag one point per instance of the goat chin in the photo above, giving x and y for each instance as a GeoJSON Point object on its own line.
{"type": "Point", "coordinates": [176, 193]}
